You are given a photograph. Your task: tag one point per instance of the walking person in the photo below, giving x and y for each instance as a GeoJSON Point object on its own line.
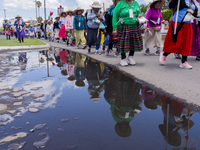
{"type": "Point", "coordinates": [112, 39]}
{"type": "Point", "coordinates": [49, 30]}
{"type": "Point", "coordinates": [69, 27]}
{"type": "Point", "coordinates": [7, 28]}
{"type": "Point", "coordinates": [181, 42]}
{"type": "Point", "coordinates": [11, 31]}
{"type": "Point", "coordinates": [93, 26]}
{"type": "Point", "coordinates": [62, 32]}
{"type": "Point", "coordinates": [127, 30]}
{"type": "Point", "coordinates": [56, 28]}
{"type": "Point", "coordinates": [31, 31]}
{"type": "Point", "coordinates": [196, 40]}
{"type": "Point", "coordinates": [79, 26]}
{"type": "Point", "coordinates": [19, 24]}
{"type": "Point", "coordinates": [153, 37]}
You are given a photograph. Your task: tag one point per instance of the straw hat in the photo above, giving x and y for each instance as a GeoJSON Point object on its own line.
{"type": "Point", "coordinates": [95, 5]}
{"type": "Point", "coordinates": [121, 133]}
{"type": "Point", "coordinates": [69, 11]}
{"type": "Point", "coordinates": [5, 19]}
{"type": "Point", "coordinates": [162, 2]}
{"type": "Point", "coordinates": [48, 21]}
{"type": "Point", "coordinates": [18, 16]}
{"type": "Point", "coordinates": [75, 11]}
{"type": "Point", "coordinates": [61, 13]}
{"type": "Point", "coordinates": [95, 99]}
{"type": "Point", "coordinates": [57, 16]}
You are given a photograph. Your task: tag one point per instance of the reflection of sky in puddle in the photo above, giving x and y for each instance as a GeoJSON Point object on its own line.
{"type": "Point", "coordinates": [95, 126]}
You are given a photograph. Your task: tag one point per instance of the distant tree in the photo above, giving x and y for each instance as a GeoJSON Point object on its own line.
{"type": "Point", "coordinates": [39, 4]}
{"type": "Point", "coordinates": [144, 8]}
{"type": "Point", "coordinates": [39, 19]}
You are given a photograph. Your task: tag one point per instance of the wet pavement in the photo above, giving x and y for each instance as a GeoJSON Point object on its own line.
{"type": "Point", "coordinates": [85, 104]}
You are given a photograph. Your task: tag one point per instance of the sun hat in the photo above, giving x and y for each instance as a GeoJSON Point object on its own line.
{"type": "Point", "coordinates": [121, 133]}
{"type": "Point", "coordinates": [18, 16]}
{"type": "Point", "coordinates": [96, 5]}
{"type": "Point", "coordinates": [57, 16]}
{"type": "Point", "coordinates": [61, 13]}
{"type": "Point", "coordinates": [75, 11]}
{"type": "Point", "coordinates": [69, 11]}
{"type": "Point", "coordinates": [154, 1]}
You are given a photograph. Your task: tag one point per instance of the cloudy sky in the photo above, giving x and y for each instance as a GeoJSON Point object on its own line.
{"type": "Point", "coordinates": [26, 8]}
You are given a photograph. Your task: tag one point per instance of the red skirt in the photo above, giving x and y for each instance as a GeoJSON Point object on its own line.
{"type": "Point", "coordinates": [62, 32]}
{"type": "Point", "coordinates": [184, 40]}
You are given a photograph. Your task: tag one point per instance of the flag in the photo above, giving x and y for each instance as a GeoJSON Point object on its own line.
{"type": "Point", "coordinates": [51, 13]}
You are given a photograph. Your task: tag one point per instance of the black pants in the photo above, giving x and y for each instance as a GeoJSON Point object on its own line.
{"type": "Point", "coordinates": [64, 39]}
{"type": "Point", "coordinates": [21, 40]}
{"type": "Point", "coordinates": [131, 53]}
{"type": "Point", "coordinates": [183, 60]}
{"type": "Point", "coordinates": [8, 37]}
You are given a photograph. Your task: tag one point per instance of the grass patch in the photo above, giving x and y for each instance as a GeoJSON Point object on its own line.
{"type": "Point", "coordinates": [27, 42]}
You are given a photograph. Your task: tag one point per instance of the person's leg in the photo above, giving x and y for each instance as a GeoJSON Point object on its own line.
{"type": "Point", "coordinates": [130, 57]}
{"type": "Point", "coordinates": [184, 63]}
{"type": "Point", "coordinates": [22, 40]}
{"type": "Point", "coordinates": [83, 40]}
{"type": "Point", "coordinates": [163, 58]}
{"type": "Point", "coordinates": [77, 38]}
{"type": "Point", "coordinates": [6, 36]}
{"type": "Point", "coordinates": [158, 51]}
{"type": "Point", "coordinates": [184, 59]}
{"type": "Point", "coordinates": [19, 40]}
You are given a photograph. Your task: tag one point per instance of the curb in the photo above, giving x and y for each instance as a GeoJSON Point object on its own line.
{"type": "Point", "coordinates": [2, 48]}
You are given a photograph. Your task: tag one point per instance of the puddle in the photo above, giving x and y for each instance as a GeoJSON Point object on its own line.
{"type": "Point", "coordinates": [85, 105]}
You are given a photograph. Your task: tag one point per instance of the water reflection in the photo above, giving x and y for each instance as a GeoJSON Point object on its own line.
{"type": "Point", "coordinates": [66, 77]}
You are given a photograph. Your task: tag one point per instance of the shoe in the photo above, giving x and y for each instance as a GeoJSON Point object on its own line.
{"type": "Point", "coordinates": [162, 59]}
{"type": "Point", "coordinates": [71, 45]}
{"type": "Point", "coordinates": [185, 65]}
{"type": "Point", "coordinates": [67, 43]}
{"type": "Point", "coordinates": [84, 46]}
{"type": "Point", "coordinates": [107, 51]}
{"type": "Point", "coordinates": [147, 52]}
{"type": "Point", "coordinates": [198, 58]}
{"type": "Point", "coordinates": [96, 52]}
{"type": "Point", "coordinates": [123, 62]}
{"type": "Point", "coordinates": [103, 48]}
{"type": "Point", "coordinates": [89, 50]}
{"type": "Point", "coordinates": [63, 42]}
{"type": "Point", "coordinates": [77, 47]}
{"type": "Point", "coordinates": [177, 56]}
{"type": "Point", "coordinates": [111, 51]}
{"type": "Point", "coordinates": [57, 41]}
{"type": "Point", "coordinates": [157, 53]}
{"type": "Point", "coordinates": [131, 60]}
{"type": "Point", "coordinates": [117, 55]}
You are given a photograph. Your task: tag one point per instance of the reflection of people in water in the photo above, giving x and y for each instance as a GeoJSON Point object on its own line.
{"type": "Point", "coordinates": [63, 57]}
{"type": "Point", "coordinates": [71, 66]}
{"type": "Point", "coordinates": [122, 93]}
{"type": "Point", "coordinates": [23, 59]}
{"type": "Point", "coordinates": [177, 121]}
{"type": "Point", "coordinates": [96, 75]}
{"type": "Point", "coordinates": [80, 70]}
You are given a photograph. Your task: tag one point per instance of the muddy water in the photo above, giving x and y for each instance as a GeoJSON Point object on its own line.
{"type": "Point", "coordinates": [86, 105]}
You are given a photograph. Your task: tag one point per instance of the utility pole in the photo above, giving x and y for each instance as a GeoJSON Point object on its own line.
{"type": "Point", "coordinates": [44, 9]}
{"type": "Point", "coordinates": [35, 9]}
{"type": "Point", "coordinates": [4, 13]}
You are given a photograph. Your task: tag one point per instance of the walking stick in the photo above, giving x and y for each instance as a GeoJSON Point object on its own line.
{"type": "Point", "coordinates": [178, 6]}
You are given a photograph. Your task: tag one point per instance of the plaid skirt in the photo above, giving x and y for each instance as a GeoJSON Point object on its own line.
{"type": "Point", "coordinates": [129, 38]}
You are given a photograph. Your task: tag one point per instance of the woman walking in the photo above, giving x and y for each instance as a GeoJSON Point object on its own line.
{"type": "Point", "coordinates": [79, 27]}
{"type": "Point", "coordinates": [69, 27]}
{"type": "Point", "coordinates": [62, 32]}
{"type": "Point", "coordinates": [49, 30]}
{"type": "Point", "coordinates": [153, 37]}
{"type": "Point", "coordinates": [127, 29]}
{"type": "Point", "coordinates": [181, 42]}
{"type": "Point", "coordinates": [93, 31]}
{"type": "Point", "coordinates": [56, 28]}
{"type": "Point", "coordinates": [7, 29]}
{"type": "Point", "coordinates": [19, 24]}
{"type": "Point", "coordinates": [31, 30]}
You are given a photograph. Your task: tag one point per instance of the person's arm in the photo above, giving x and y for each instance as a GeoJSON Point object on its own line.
{"type": "Point", "coordinates": [116, 16]}
{"type": "Point", "coordinates": [148, 16]}
{"type": "Point", "coordinates": [74, 23]}
{"type": "Point", "coordinates": [22, 24]}
{"type": "Point", "coordinates": [90, 16]}
{"type": "Point", "coordinates": [85, 26]}
{"type": "Point", "coordinates": [15, 23]}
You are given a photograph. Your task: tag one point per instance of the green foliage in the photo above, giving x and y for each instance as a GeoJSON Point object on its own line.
{"type": "Point", "coordinates": [144, 8]}
{"type": "Point", "coordinates": [15, 42]}
{"type": "Point", "coordinates": [166, 14]}
{"type": "Point", "coordinates": [39, 19]}
{"type": "Point", "coordinates": [39, 4]}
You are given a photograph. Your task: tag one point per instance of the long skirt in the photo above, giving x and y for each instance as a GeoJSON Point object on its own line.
{"type": "Point", "coordinates": [154, 40]}
{"type": "Point", "coordinates": [184, 40]}
{"type": "Point", "coordinates": [92, 38]}
{"type": "Point", "coordinates": [129, 38]}
{"type": "Point", "coordinates": [7, 31]}
{"type": "Point", "coordinates": [56, 33]}
{"type": "Point", "coordinates": [196, 40]}
{"type": "Point", "coordinates": [20, 34]}
{"type": "Point", "coordinates": [62, 32]}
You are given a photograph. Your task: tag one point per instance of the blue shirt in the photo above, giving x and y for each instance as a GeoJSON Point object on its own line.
{"type": "Point", "coordinates": [79, 23]}
{"type": "Point", "coordinates": [17, 26]}
{"type": "Point", "coordinates": [31, 29]}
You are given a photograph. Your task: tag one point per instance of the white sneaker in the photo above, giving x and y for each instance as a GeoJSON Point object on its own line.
{"type": "Point", "coordinates": [96, 52]}
{"type": "Point", "coordinates": [123, 62]}
{"type": "Point", "coordinates": [131, 60]}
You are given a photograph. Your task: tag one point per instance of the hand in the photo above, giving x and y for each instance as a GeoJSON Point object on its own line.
{"type": "Point", "coordinates": [163, 21]}
{"type": "Point", "coordinates": [98, 15]}
{"type": "Point", "coordinates": [115, 32]}
{"type": "Point", "coordinates": [74, 30]}
{"type": "Point", "coordinates": [20, 24]}
{"type": "Point", "coordinates": [100, 18]}
{"type": "Point", "coordinates": [148, 30]}
{"type": "Point", "coordinates": [139, 16]}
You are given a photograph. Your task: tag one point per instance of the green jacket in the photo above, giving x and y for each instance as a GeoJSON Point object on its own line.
{"type": "Point", "coordinates": [122, 11]}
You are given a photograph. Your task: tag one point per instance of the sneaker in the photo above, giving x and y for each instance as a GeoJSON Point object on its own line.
{"type": "Point", "coordinates": [147, 52]}
{"type": "Point", "coordinates": [89, 50]}
{"type": "Point", "coordinates": [77, 47]}
{"type": "Point", "coordinates": [157, 53]}
{"type": "Point", "coordinates": [117, 55]}
{"type": "Point", "coordinates": [63, 42]}
{"type": "Point", "coordinates": [111, 51]}
{"type": "Point", "coordinates": [57, 41]}
{"type": "Point", "coordinates": [123, 62]}
{"type": "Point", "coordinates": [131, 60]}
{"type": "Point", "coordinates": [162, 59]}
{"type": "Point", "coordinates": [198, 58]}
{"type": "Point", "coordinates": [185, 66]}
{"type": "Point", "coordinates": [107, 51]}
{"type": "Point", "coordinates": [84, 46]}
{"type": "Point", "coordinates": [177, 56]}
{"type": "Point", "coordinates": [96, 52]}
{"type": "Point", "coordinates": [103, 48]}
